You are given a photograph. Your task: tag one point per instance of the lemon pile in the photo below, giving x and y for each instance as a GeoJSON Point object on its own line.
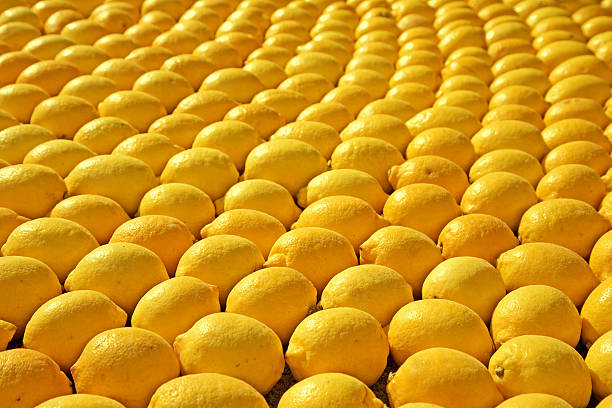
{"type": "Point", "coordinates": [305, 203]}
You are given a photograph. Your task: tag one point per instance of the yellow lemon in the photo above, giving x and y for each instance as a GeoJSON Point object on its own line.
{"type": "Point", "coordinates": [77, 400]}
{"type": "Point", "coordinates": [443, 376]}
{"type": "Point", "coordinates": [581, 108]}
{"type": "Point", "coordinates": [535, 400]}
{"type": "Point", "coordinates": [509, 160]}
{"type": "Point", "coordinates": [220, 260]}
{"type": "Point", "coordinates": [166, 86]}
{"type": "Point", "coordinates": [579, 152]}
{"type": "Point", "coordinates": [333, 390]}
{"type": "Point", "coordinates": [388, 106]}
{"type": "Point", "coordinates": [417, 95]}
{"type": "Point", "coordinates": [210, 106]}
{"type": "Point", "coordinates": [63, 115]}
{"type": "Point", "coordinates": [560, 214]}
{"type": "Point", "coordinates": [555, 315]}
{"type": "Point", "coordinates": [27, 284]}
{"type": "Point", "coordinates": [17, 141]}
{"type": "Point", "coordinates": [20, 100]}
{"type": "Point", "coordinates": [122, 178]}
{"type": "Point", "coordinates": [9, 221]}
{"type": "Point", "coordinates": [135, 107]}
{"type": "Point", "coordinates": [467, 83]}
{"type": "Point", "coordinates": [125, 364]}
{"type": "Point", "coordinates": [317, 253]}
{"type": "Point", "coordinates": [444, 142]}
{"type": "Point", "coordinates": [173, 306]}
{"type": "Point", "coordinates": [598, 361]}
{"type": "Point", "coordinates": [575, 181]}
{"type": "Point", "coordinates": [98, 214]}
{"type": "Point", "coordinates": [45, 238]}
{"type": "Point", "coordinates": [269, 73]}
{"type": "Point", "coordinates": [34, 378]}
{"type": "Point", "coordinates": [181, 128]}
{"type": "Point", "coordinates": [470, 281]}
{"type": "Point", "coordinates": [519, 95]}
{"type": "Point", "coordinates": [315, 62]}
{"type": "Point", "coordinates": [501, 194]}
{"type": "Point", "coordinates": [598, 259]}
{"type": "Point", "coordinates": [221, 54]}
{"type": "Point", "coordinates": [207, 390]}
{"type": "Point", "coordinates": [123, 73]}
{"type": "Point", "coordinates": [444, 116]}
{"type": "Point", "coordinates": [385, 127]}
{"type": "Point", "coordinates": [194, 68]}
{"type": "Point", "coordinates": [62, 326]}
{"type": "Point", "coordinates": [263, 118]}
{"type": "Point", "coordinates": [103, 134]}
{"type": "Point", "coordinates": [151, 57]}
{"type": "Point", "coordinates": [516, 61]}
{"type": "Point", "coordinates": [321, 136]}
{"type": "Point", "coordinates": [51, 76]}
{"type": "Point", "coordinates": [595, 314]}
{"type": "Point", "coordinates": [334, 114]}
{"type": "Point", "coordinates": [514, 112]}
{"type": "Point", "coordinates": [581, 65]}
{"type": "Point", "coordinates": [570, 130]}
{"type": "Point", "coordinates": [353, 343]}
{"type": "Point", "coordinates": [468, 100]}
{"type": "Point", "coordinates": [12, 63]}
{"type": "Point", "coordinates": [153, 149]}
{"type": "Point", "coordinates": [289, 104]}
{"type": "Point", "coordinates": [237, 83]}
{"type": "Point", "coordinates": [353, 97]}
{"type": "Point", "coordinates": [579, 86]}
{"type": "Point", "coordinates": [277, 288]}
{"type": "Point", "coordinates": [92, 88]}
{"type": "Point", "coordinates": [533, 363]}
{"type": "Point", "coordinates": [235, 345]}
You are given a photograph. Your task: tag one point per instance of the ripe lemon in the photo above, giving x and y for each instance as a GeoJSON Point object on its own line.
{"type": "Point", "coordinates": [7, 330]}
{"type": "Point", "coordinates": [45, 238]}
{"type": "Point", "coordinates": [238, 84]}
{"type": "Point", "coordinates": [333, 390]}
{"type": "Point", "coordinates": [416, 73]}
{"type": "Point", "coordinates": [598, 361]}
{"type": "Point", "coordinates": [516, 61]}
{"type": "Point", "coordinates": [334, 114]}
{"type": "Point", "coordinates": [154, 149]}
{"type": "Point", "coordinates": [444, 116]}
{"type": "Point", "coordinates": [598, 259]}
{"type": "Point", "coordinates": [276, 54]}
{"type": "Point", "coordinates": [444, 142]}
{"type": "Point", "coordinates": [506, 134]}
{"type": "Point", "coordinates": [432, 170]}
{"type": "Point", "coordinates": [375, 289]}
{"type": "Point", "coordinates": [158, 18]}
{"type": "Point", "coordinates": [321, 136]}
{"type": "Point", "coordinates": [514, 112]}
{"type": "Point", "coordinates": [194, 68]}
{"type": "Point", "coordinates": [9, 220]}
{"type": "Point", "coordinates": [269, 73]}
{"type": "Point", "coordinates": [373, 62]}
{"type": "Point", "coordinates": [535, 400]}
{"type": "Point", "coordinates": [210, 106]}
{"type": "Point", "coordinates": [466, 83]}
{"type": "Point", "coordinates": [50, 76]}
{"type": "Point", "coordinates": [150, 58]}
{"type": "Point", "coordinates": [289, 104]}
{"type": "Point", "coordinates": [385, 127]}
{"type": "Point", "coordinates": [98, 214]}
{"type": "Point", "coordinates": [501, 194]}
{"type": "Point", "coordinates": [468, 100]}
{"type": "Point", "coordinates": [595, 314]}
{"type": "Point", "coordinates": [278, 160]}
{"type": "Point", "coordinates": [93, 88]}
{"type": "Point", "coordinates": [417, 95]}
{"type": "Point", "coordinates": [83, 31]}
{"type": "Point", "coordinates": [579, 152]}
{"type": "Point", "coordinates": [123, 73]}
{"type": "Point", "coordinates": [235, 345]}
{"type": "Point", "coordinates": [443, 376]}
{"type": "Point", "coordinates": [315, 62]}
{"type": "Point", "coordinates": [519, 95]}
{"type": "Point", "coordinates": [167, 236]}
{"type": "Point", "coordinates": [220, 260]}
{"type": "Point", "coordinates": [103, 134]}
{"type": "Point", "coordinates": [122, 271]}
{"type": "Point", "coordinates": [173, 306]}
{"type": "Point", "coordinates": [122, 369]}
{"type": "Point", "coordinates": [508, 160]}
{"type": "Point", "coordinates": [122, 178]}
{"type": "Point", "coordinates": [135, 107]}
{"type": "Point", "coordinates": [352, 342]}
{"type": "Point", "coordinates": [264, 293]}
{"type": "Point", "coordinates": [353, 97]}
{"type": "Point", "coordinates": [317, 253]}
{"type": "Point", "coordinates": [264, 119]}
{"type": "Point", "coordinates": [30, 377]}
{"type": "Point", "coordinates": [470, 281]}
{"type": "Point", "coordinates": [583, 64]}
{"type": "Point", "coordinates": [211, 170]}
{"type": "Point", "coordinates": [388, 106]}
{"type": "Point", "coordinates": [62, 326]}
{"type": "Point", "coordinates": [234, 138]}
{"type": "Point", "coordinates": [581, 108]}
{"type": "Point", "coordinates": [27, 283]}
{"type": "Point", "coordinates": [374, 82]}
{"type": "Point", "coordinates": [575, 181]}
{"type": "Point", "coordinates": [116, 45]}
{"type": "Point", "coordinates": [517, 314]}
{"type": "Point", "coordinates": [78, 400]}
{"type": "Point", "coordinates": [181, 128]}
{"type": "Point", "coordinates": [532, 363]}
{"type": "Point", "coordinates": [17, 141]}
{"type": "Point", "coordinates": [221, 54]}
{"type": "Point", "coordinates": [12, 63]}
{"type": "Point", "coordinates": [262, 195]}
{"type": "Point", "coordinates": [20, 100]}
{"type": "Point", "coordinates": [207, 390]}
{"type": "Point", "coordinates": [573, 129]}
{"type": "Point", "coordinates": [53, 113]}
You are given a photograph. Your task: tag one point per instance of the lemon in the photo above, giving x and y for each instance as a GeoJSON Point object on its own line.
{"type": "Point", "coordinates": [61, 327]}
{"type": "Point", "coordinates": [317, 253]}
{"type": "Point", "coordinates": [50, 76]}
{"type": "Point", "coordinates": [514, 112]}
{"type": "Point", "coordinates": [581, 108]}
{"type": "Point", "coordinates": [53, 114]}
{"type": "Point", "coordinates": [17, 141]}
{"type": "Point", "coordinates": [466, 83]}
{"type": "Point", "coordinates": [385, 127]}
{"type": "Point", "coordinates": [535, 400]}
{"type": "Point", "coordinates": [605, 403]}
{"type": "Point", "coordinates": [83, 31]}
{"type": "Point", "coordinates": [388, 106]}
{"type": "Point", "coordinates": [168, 87]}
{"type": "Point", "coordinates": [262, 195]}
{"type": "Point", "coordinates": [575, 181]}
{"type": "Point", "coordinates": [220, 260]}
{"type": "Point", "coordinates": [30, 281]}
{"type": "Point", "coordinates": [194, 68]}
{"type": "Point", "coordinates": [9, 221]}
{"type": "Point", "coordinates": [501, 194]}
{"type": "Point", "coordinates": [103, 134]}
{"type": "Point", "coordinates": [532, 363]}
{"type": "Point", "coordinates": [135, 107]}
{"type": "Point", "coordinates": [181, 128]}
{"type": "Point", "coordinates": [29, 378]}
{"type": "Point", "coordinates": [263, 118]}
{"type": "Point", "coordinates": [579, 152]}
{"type": "Point", "coordinates": [210, 170]}
{"type": "Point", "coordinates": [210, 106]}
{"type": "Point", "coordinates": [173, 306]}
{"type": "Point", "coordinates": [432, 170]}
{"type": "Point", "coordinates": [444, 116]}
{"type": "Point", "coordinates": [417, 95]}
{"type": "Point", "coordinates": [321, 136]}
{"type": "Point", "coordinates": [373, 62]}
{"type": "Point", "coordinates": [7, 120]}
{"type": "Point", "coordinates": [16, 34]}
{"type": "Point", "coordinates": [580, 65]}
{"type": "Point", "coordinates": [353, 97]}
{"type": "Point", "coordinates": [234, 138]}
{"type": "Point", "coordinates": [595, 314]}
{"type": "Point", "coordinates": [555, 315]}
{"type": "Point", "coordinates": [221, 54]}
{"type": "Point", "coordinates": [375, 289]}
{"type": "Point", "coordinates": [262, 294]}
{"type": "Point", "coordinates": [77, 400]}
{"type": "Point", "coordinates": [98, 214]}
{"type": "Point", "coordinates": [121, 370]}
{"type": "Point", "coordinates": [444, 142]}
{"type": "Point", "coordinates": [443, 376]}
{"type": "Point", "coordinates": [468, 100]}
{"type": "Point", "coordinates": [317, 63]}
{"type": "Point", "coordinates": [516, 61]}
{"type": "Point", "coordinates": [94, 89]}
{"type": "Point", "coordinates": [598, 361]}
{"type": "Point", "coordinates": [122, 271]}
{"type": "Point", "coordinates": [235, 345]}
{"type": "Point", "coordinates": [598, 257]}
{"type": "Point", "coordinates": [45, 238]}
{"type": "Point", "coordinates": [573, 129]}
{"type": "Point", "coordinates": [150, 58]}
{"type": "Point", "coordinates": [334, 114]}
{"type": "Point", "coordinates": [207, 390]}
{"type": "Point", "coordinates": [20, 100]}
{"type": "Point", "coordinates": [154, 149]}
{"type": "Point", "coordinates": [351, 342]}
{"type": "Point", "coordinates": [508, 160]}
{"type": "Point", "coordinates": [506, 134]}
{"type": "Point", "coordinates": [48, 46]}
{"type": "Point", "coordinates": [416, 73]}
{"type": "Point", "coordinates": [238, 84]}
{"type": "Point", "coordinates": [121, 178]}
{"type": "Point", "coordinates": [519, 95]}
{"type": "Point", "coordinates": [13, 63]}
